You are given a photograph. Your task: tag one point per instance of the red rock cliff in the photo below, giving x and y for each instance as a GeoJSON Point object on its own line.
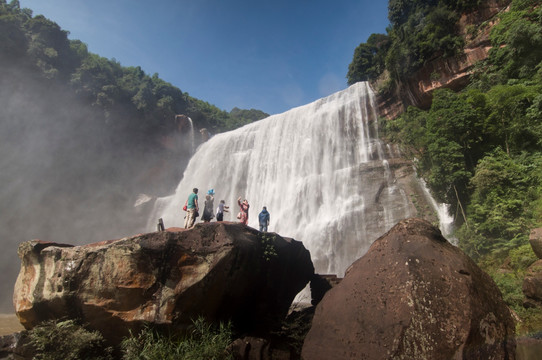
{"type": "Point", "coordinates": [450, 73]}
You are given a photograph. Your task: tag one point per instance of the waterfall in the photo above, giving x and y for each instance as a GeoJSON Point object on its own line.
{"type": "Point", "coordinates": [185, 129]}
{"type": "Point", "coordinates": [320, 169]}
{"type": "Point", "coordinates": [192, 136]}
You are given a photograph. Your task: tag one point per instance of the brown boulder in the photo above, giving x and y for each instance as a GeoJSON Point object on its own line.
{"type": "Point", "coordinates": [535, 239]}
{"type": "Point", "coordinates": [412, 296]}
{"type": "Point", "coordinates": [532, 285]}
{"type": "Point", "coordinates": [216, 270]}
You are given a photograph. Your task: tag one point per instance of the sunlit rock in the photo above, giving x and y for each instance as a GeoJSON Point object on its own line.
{"type": "Point", "coordinates": [216, 270]}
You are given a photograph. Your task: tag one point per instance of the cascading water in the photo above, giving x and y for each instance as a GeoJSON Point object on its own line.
{"type": "Point", "coordinates": [320, 169]}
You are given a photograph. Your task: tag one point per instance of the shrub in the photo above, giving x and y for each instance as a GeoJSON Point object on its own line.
{"type": "Point", "coordinates": [206, 342]}
{"type": "Point", "coordinates": [522, 257]}
{"type": "Point", "coordinates": [67, 340]}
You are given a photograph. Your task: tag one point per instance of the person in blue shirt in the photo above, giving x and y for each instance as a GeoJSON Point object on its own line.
{"type": "Point", "coordinates": [264, 219]}
{"type": "Point", "coordinates": [192, 209]}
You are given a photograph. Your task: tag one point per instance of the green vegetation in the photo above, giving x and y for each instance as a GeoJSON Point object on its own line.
{"type": "Point", "coordinates": [128, 98]}
{"type": "Point", "coordinates": [419, 31]}
{"type": "Point", "coordinates": [206, 342]}
{"type": "Point", "coordinates": [268, 246]}
{"type": "Point", "coordinates": [480, 149]}
{"type": "Point", "coordinates": [68, 340]}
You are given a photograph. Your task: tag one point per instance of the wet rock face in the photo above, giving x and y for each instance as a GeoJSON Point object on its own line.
{"type": "Point", "coordinates": [412, 296]}
{"type": "Point", "coordinates": [216, 270]}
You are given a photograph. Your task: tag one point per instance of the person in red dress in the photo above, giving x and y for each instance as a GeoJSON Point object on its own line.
{"type": "Point", "coordinates": [243, 214]}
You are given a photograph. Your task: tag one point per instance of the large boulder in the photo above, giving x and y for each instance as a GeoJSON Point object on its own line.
{"type": "Point", "coordinates": [412, 296]}
{"type": "Point", "coordinates": [216, 270]}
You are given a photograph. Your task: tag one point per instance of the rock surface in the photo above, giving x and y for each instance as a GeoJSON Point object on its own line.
{"type": "Point", "coordinates": [216, 270]}
{"type": "Point", "coordinates": [535, 239]}
{"type": "Point", "coordinates": [532, 285]}
{"type": "Point", "coordinates": [412, 296]}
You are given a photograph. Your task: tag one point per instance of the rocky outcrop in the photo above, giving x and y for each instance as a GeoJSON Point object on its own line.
{"type": "Point", "coordinates": [532, 282]}
{"type": "Point", "coordinates": [412, 296]}
{"type": "Point", "coordinates": [453, 72]}
{"type": "Point", "coordinates": [168, 278]}
{"type": "Point", "coordinates": [532, 285]}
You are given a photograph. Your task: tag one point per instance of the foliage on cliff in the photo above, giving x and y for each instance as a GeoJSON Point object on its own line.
{"type": "Point", "coordinates": [419, 31]}
{"type": "Point", "coordinates": [481, 149]}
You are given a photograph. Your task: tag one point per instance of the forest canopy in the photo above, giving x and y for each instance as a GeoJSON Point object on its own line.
{"type": "Point", "coordinates": [42, 48]}
{"type": "Point", "coordinates": [419, 31]}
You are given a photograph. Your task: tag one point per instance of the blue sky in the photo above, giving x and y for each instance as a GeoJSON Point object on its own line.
{"type": "Point", "coordinates": [269, 55]}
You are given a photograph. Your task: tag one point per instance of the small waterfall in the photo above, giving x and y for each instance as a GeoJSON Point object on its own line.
{"type": "Point", "coordinates": [446, 221]}
{"type": "Point", "coordinates": [192, 136]}
{"type": "Point", "coordinates": [185, 128]}
{"type": "Point", "coordinates": [320, 169]}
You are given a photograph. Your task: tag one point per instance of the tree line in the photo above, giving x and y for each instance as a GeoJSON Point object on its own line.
{"type": "Point", "coordinates": [40, 46]}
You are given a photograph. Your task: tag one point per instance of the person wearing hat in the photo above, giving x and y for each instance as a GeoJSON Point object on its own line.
{"type": "Point", "coordinates": [209, 206]}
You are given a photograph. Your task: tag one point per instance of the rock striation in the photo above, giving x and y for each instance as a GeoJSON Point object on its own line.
{"type": "Point", "coordinates": [168, 278]}
{"type": "Point", "coordinates": [412, 296]}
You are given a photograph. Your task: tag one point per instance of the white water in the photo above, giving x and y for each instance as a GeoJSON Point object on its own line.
{"type": "Point", "coordinates": [320, 169]}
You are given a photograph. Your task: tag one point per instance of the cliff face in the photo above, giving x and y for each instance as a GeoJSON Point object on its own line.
{"type": "Point", "coordinates": [452, 73]}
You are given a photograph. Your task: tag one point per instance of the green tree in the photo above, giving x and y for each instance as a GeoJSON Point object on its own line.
{"type": "Point", "coordinates": [50, 48]}
{"type": "Point", "coordinates": [455, 130]}
{"type": "Point", "coordinates": [500, 215]}
{"type": "Point", "coordinates": [420, 31]}
{"type": "Point", "coordinates": [509, 122]}
{"type": "Point", "coordinates": [13, 41]}
{"type": "Point", "coordinates": [368, 61]}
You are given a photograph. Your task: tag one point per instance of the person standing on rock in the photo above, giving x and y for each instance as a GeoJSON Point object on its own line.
{"type": "Point", "coordinates": [243, 214]}
{"type": "Point", "coordinates": [192, 209]}
{"type": "Point", "coordinates": [209, 206]}
{"type": "Point", "coordinates": [220, 210]}
{"type": "Point", "coordinates": [264, 219]}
